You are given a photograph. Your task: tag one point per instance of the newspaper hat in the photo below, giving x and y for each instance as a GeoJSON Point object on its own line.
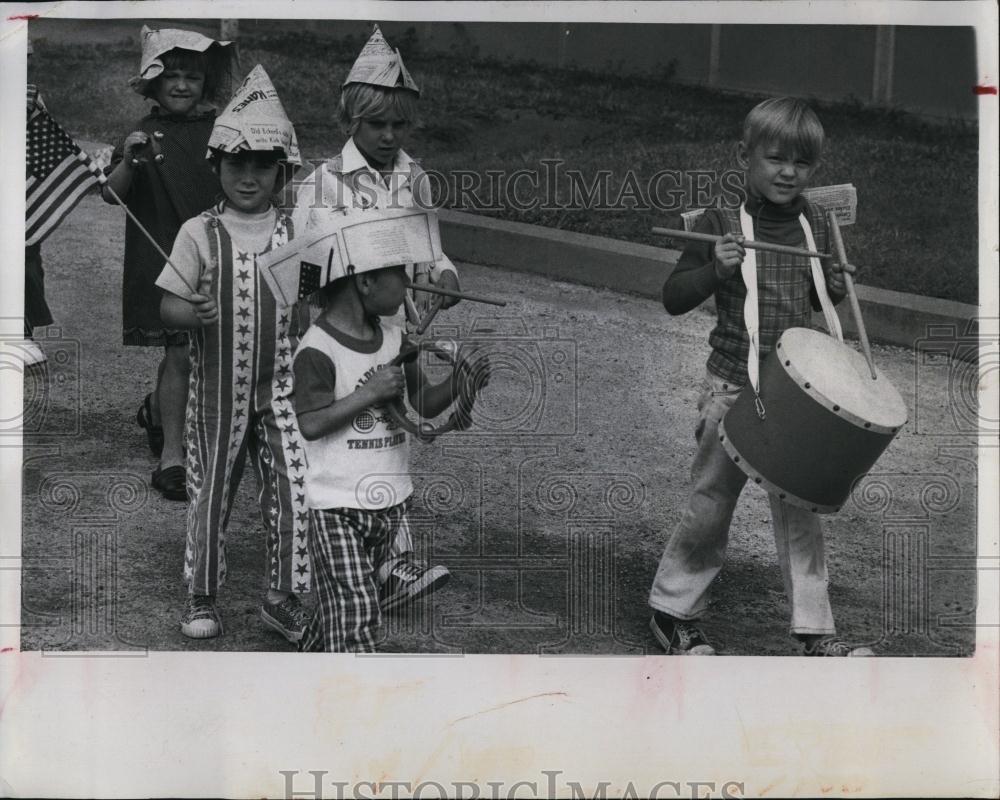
{"type": "Point", "coordinates": [255, 120]}
{"type": "Point", "coordinates": [156, 43]}
{"type": "Point", "coordinates": [380, 65]}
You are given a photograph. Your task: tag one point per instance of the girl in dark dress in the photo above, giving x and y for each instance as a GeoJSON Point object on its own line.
{"type": "Point", "coordinates": [160, 171]}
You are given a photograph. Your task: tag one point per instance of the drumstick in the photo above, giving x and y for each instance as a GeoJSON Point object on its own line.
{"type": "Point", "coordinates": [838, 244]}
{"type": "Point", "coordinates": [423, 287]}
{"type": "Point", "coordinates": [712, 238]}
{"type": "Point", "coordinates": [431, 313]}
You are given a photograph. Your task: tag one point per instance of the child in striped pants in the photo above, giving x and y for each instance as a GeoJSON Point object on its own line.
{"type": "Point", "coordinates": [239, 396]}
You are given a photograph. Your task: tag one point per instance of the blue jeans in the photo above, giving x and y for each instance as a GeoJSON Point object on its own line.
{"type": "Point", "coordinates": [695, 552]}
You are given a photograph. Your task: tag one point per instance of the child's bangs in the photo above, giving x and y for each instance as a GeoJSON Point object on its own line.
{"type": "Point", "coordinates": [216, 64]}
{"type": "Point", "coordinates": [362, 101]}
{"type": "Point", "coordinates": [787, 123]}
{"type": "Point", "coordinates": [188, 60]}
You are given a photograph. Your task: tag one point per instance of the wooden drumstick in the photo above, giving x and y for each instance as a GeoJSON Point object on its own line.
{"type": "Point", "coordinates": [423, 287]}
{"type": "Point", "coordinates": [431, 313]}
{"type": "Point", "coordinates": [838, 245]}
{"type": "Point", "coordinates": [712, 238]}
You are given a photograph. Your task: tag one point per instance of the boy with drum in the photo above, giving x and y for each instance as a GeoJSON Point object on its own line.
{"type": "Point", "coordinates": [781, 147]}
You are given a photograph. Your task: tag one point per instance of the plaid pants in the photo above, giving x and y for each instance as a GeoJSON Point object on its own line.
{"type": "Point", "coordinates": [347, 547]}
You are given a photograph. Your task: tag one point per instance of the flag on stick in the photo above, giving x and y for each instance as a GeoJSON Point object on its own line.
{"type": "Point", "coordinates": [59, 173]}
{"type": "Point", "coordinates": [57, 177]}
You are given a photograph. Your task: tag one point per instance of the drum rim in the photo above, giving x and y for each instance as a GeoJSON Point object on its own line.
{"type": "Point", "coordinates": [860, 422]}
{"type": "Point", "coordinates": [758, 479]}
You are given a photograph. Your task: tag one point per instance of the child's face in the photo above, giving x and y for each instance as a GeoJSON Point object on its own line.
{"type": "Point", "coordinates": [773, 173]}
{"type": "Point", "coordinates": [247, 183]}
{"type": "Point", "coordinates": [178, 91]}
{"type": "Point", "coordinates": [379, 138]}
{"type": "Point", "coordinates": [386, 290]}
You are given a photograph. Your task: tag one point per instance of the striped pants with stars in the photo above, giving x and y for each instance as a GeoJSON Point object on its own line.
{"type": "Point", "coordinates": [239, 404]}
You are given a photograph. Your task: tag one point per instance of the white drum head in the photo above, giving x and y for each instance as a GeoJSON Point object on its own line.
{"type": "Point", "coordinates": [840, 374]}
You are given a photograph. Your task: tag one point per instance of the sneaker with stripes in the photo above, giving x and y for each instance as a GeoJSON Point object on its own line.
{"type": "Point", "coordinates": [679, 637]}
{"type": "Point", "coordinates": [288, 617]}
{"type": "Point", "coordinates": [408, 579]}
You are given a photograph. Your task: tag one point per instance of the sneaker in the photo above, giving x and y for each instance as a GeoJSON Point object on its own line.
{"type": "Point", "coordinates": [31, 354]}
{"type": "Point", "coordinates": [409, 579]}
{"type": "Point", "coordinates": [289, 617]}
{"type": "Point", "coordinates": [201, 620]}
{"type": "Point", "coordinates": [679, 637]}
{"type": "Point", "coordinates": [832, 646]}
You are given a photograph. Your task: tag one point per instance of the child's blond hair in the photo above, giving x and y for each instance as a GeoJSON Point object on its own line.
{"type": "Point", "coordinates": [359, 101]}
{"type": "Point", "coordinates": [787, 122]}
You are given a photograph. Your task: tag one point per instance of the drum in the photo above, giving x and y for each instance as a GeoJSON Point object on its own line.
{"type": "Point", "coordinates": [825, 421]}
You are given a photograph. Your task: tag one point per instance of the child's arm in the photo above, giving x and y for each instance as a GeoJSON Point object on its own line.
{"type": "Point", "coordinates": [136, 147]}
{"type": "Point", "coordinates": [179, 308]}
{"type": "Point", "coordinates": [702, 267]}
{"type": "Point", "coordinates": [196, 311]}
{"type": "Point", "coordinates": [428, 399]}
{"type": "Point", "coordinates": [317, 412]}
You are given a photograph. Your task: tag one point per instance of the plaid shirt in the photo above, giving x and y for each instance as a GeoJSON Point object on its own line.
{"type": "Point", "coordinates": [786, 299]}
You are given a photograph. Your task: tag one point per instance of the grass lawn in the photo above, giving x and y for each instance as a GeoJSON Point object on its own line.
{"type": "Point", "coordinates": [917, 183]}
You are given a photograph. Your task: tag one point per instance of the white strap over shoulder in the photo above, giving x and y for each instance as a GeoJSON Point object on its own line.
{"type": "Point", "coordinates": [819, 281]}
{"type": "Point", "coordinates": [751, 313]}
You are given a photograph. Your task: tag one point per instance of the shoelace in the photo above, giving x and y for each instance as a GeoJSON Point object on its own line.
{"type": "Point", "coordinates": [832, 646]}
{"type": "Point", "coordinates": [295, 609]}
{"type": "Point", "coordinates": [201, 607]}
{"type": "Point", "coordinates": [407, 571]}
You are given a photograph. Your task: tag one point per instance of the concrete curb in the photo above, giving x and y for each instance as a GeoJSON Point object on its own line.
{"type": "Point", "coordinates": [909, 320]}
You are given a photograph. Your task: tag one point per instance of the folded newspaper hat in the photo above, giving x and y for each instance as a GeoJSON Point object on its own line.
{"type": "Point", "coordinates": [255, 120]}
{"type": "Point", "coordinates": [348, 244]}
{"type": "Point", "coordinates": [156, 43]}
{"type": "Point", "coordinates": [380, 65]}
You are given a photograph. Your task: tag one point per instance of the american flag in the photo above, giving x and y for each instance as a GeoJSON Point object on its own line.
{"type": "Point", "coordinates": [59, 173]}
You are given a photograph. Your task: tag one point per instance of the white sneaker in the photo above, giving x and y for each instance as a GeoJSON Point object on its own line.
{"type": "Point", "coordinates": [409, 579]}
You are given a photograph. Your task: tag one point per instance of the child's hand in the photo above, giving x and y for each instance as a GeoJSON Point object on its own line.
{"type": "Point", "coordinates": [448, 280]}
{"type": "Point", "coordinates": [32, 97]}
{"type": "Point", "coordinates": [729, 252]}
{"type": "Point", "coordinates": [138, 148]}
{"type": "Point", "coordinates": [835, 281]}
{"type": "Point", "coordinates": [205, 307]}
{"type": "Point", "coordinates": [386, 384]}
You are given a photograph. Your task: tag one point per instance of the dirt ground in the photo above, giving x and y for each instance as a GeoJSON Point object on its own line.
{"type": "Point", "coordinates": [551, 514]}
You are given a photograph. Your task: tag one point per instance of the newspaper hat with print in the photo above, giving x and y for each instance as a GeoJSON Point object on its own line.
{"type": "Point", "coordinates": [157, 42]}
{"type": "Point", "coordinates": [380, 65]}
{"type": "Point", "coordinates": [255, 120]}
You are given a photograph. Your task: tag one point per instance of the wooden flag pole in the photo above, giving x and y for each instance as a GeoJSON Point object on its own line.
{"type": "Point", "coordinates": [103, 181]}
{"type": "Point", "coordinates": [712, 238]}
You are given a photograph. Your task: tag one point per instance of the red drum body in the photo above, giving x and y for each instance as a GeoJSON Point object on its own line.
{"type": "Point", "coordinates": [826, 421]}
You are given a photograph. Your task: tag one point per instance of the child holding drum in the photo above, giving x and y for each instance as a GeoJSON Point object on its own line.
{"type": "Point", "coordinates": [780, 149]}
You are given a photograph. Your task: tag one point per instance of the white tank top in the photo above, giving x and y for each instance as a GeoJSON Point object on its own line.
{"type": "Point", "coordinates": [365, 464]}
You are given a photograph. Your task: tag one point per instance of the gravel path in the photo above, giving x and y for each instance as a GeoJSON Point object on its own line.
{"type": "Point", "coordinates": [551, 514]}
